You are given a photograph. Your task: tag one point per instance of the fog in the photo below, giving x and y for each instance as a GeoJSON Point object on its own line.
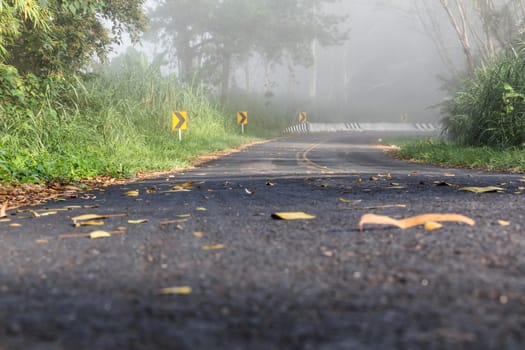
{"type": "Point", "coordinates": [389, 69]}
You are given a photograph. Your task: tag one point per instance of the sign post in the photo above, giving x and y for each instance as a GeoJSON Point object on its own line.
{"type": "Point", "coordinates": [242, 120]}
{"type": "Point", "coordinates": [179, 122]}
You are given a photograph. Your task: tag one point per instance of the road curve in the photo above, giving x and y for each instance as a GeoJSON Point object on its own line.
{"type": "Point", "coordinates": [253, 282]}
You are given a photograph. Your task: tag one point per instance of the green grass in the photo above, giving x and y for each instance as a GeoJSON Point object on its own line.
{"type": "Point", "coordinates": [441, 152]}
{"type": "Point", "coordinates": [116, 123]}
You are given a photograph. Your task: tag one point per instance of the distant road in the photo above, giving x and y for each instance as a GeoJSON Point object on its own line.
{"type": "Point", "coordinates": [247, 281]}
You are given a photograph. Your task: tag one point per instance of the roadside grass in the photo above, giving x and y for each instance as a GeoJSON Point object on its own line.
{"type": "Point", "coordinates": [439, 151]}
{"type": "Point", "coordinates": [115, 123]}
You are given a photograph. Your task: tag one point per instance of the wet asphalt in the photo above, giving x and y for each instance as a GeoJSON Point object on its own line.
{"type": "Point", "coordinates": [261, 283]}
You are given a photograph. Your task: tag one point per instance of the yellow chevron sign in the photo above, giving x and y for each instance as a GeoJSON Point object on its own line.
{"type": "Point", "coordinates": [242, 118]}
{"type": "Point", "coordinates": [179, 120]}
{"type": "Point", "coordinates": [303, 117]}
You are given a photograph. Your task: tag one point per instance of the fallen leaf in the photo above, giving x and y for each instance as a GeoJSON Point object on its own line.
{"type": "Point", "coordinates": [250, 192]}
{"type": "Point", "coordinates": [48, 213]}
{"type": "Point", "coordinates": [198, 234]}
{"type": "Point", "coordinates": [15, 225]}
{"type": "Point", "coordinates": [213, 247]}
{"type": "Point", "coordinates": [442, 184]}
{"type": "Point", "coordinates": [88, 217]}
{"type": "Point", "coordinates": [136, 222]}
{"type": "Point", "coordinates": [42, 241]}
{"type": "Point", "coordinates": [521, 180]}
{"type": "Point", "coordinates": [183, 216]}
{"type": "Point", "coordinates": [5, 220]}
{"type": "Point", "coordinates": [170, 222]}
{"type": "Point", "coordinates": [488, 189]}
{"type": "Point", "coordinates": [201, 209]}
{"type": "Point", "coordinates": [185, 290]}
{"type": "Point", "coordinates": [503, 223]}
{"type": "Point", "coordinates": [350, 201]}
{"type": "Point", "coordinates": [185, 185]}
{"type": "Point", "coordinates": [293, 216]}
{"type": "Point", "coordinates": [432, 226]}
{"type": "Point", "coordinates": [374, 178]}
{"type": "Point", "coordinates": [271, 184]}
{"type": "Point", "coordinates": [3, 209]}
{"type": "Point", "coordinates": [99, 234]}
{"type": "Point", "coordinates": [449, 175]}
{"type": "Point", "coordinates": [413, 221]}
{"type": "Point", "coordinates": [134, 193]}
{"type": "Point", "coordinates": [89, 223]}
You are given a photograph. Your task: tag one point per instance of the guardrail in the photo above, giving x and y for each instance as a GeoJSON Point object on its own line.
{"type": "Point", "coordinates": [306, 128]}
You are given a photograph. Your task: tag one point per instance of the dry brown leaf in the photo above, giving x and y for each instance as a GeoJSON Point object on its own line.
{"type": "Point", "coordinates": [185, 185]}
{"type": "Point", "coordinates": [3, 209]}
{"type": "Point", "coordinates": [136, 222]}
{"type": "Point", "coordinates": [293, 216]}
{"type": "Point", "coordinates": [5, 220]}
{"type": "Point", "coordinates": [99, 234]}
{"type": "Point", "coordinates": [198, 234]}
{"type": "Point", "coordinates": [449, 175]}
{"type": "Point", "coordinates": [488, 189]}
{"type": "Point", "coordinates": [88, 217]}
{"type": "Point", "coordinates": [89, 223]}
{"type": "Point", "coordinates": [413, 221]}
{"type": "Point", "coordinates": [503, 223]}
{"type": "Point", "coordinates": [185, 290]}
{"type": "Point", "coordinates": [15, 225]}
{"type": "Point", "coordinates": [213, 247]}
{"type": "Point", "coordinates": [134, 193]}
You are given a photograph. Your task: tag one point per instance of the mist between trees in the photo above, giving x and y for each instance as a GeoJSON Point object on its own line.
{"type": "Point", "coordinates": [357, 60]}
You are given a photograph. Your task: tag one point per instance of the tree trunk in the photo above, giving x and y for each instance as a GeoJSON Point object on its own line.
{"type": "Point", "coordinates": [225, 79]}
{"type": "Point", "coordinates": [314, 78]}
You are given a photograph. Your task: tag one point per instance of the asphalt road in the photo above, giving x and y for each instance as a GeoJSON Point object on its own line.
{"type": "Point", "coordinates": [261, 283]}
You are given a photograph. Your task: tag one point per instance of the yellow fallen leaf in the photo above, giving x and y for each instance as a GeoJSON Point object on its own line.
{"type": "Point", "coordinates": [99, 234]}
{"type": "Point", "coordinates": [48, 213]}
{"type": "Point", "coordinates": [183, 216]}
{"type": "Point", "coordinates": [449, 175]}
{"type": "Point", "coordinates": [521, 180]}
{"type": "Point", "coordinates": [432, 226]}
{"type": "Point", "coordinates": [42, 241]}
{"type": "Point", "coordinates": [213, 247]}
{"type": "Point", "coordinates": [185, 185]}
{"type": "Point", "coordinates": [5, 220]}
{"type": "Point", "coordinates": [88, 217]}
{"type": "Point", "coordinates": [185, 290]}
{"type": "Point", "coordinates": [136, 222]}
{"type": "Point", "coordinates": [201, 209]}
{"type": "Point", "coordinates": [293, 216]}
{"type": "Point", "coordinates": [134, 193]}
{"type": "Point", "coordinates": [488, 189]}
{"type": "Point", "coordinates": [15, 225]}
{"type": "Point", "coordinates": [503, 223]}
{"type": "Point", "coordinates": [350, 201]}
{"type": "Point", "coordinates": [413, 221]}
{"type": "Point", "coordinates": [198, 234]}
{"type": "Point", "coordinates": [89, 223]}
{"type": "Point", "coordinates": [3, 209]}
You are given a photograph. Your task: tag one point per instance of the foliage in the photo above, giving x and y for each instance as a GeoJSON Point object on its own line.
{"type": "Point", "coordinates": [489, 110]}
{"type": "Point", "coordinates": [76, 31]}
{"type": "Point", "coordinates": [115, 122]}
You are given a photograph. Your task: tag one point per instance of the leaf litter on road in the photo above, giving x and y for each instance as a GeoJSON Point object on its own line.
{"type": "Point", "coordinates": [373, 219]}
{"type": "Point", "coordinates": [182, 290]}
{"type": "Point", "coordinates": [487, 189]}
{"type": "Point", "coordinates": [213, 247]}
{"type": "Point", "coordinates": [288, 216]}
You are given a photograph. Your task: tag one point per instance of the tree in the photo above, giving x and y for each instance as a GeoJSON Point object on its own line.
{"type": "Point", "coordinates": [76, 32]}
{"type": "Point", "coordinates": [206, 37]}
{"type": "Point", "coordinates": [483, 27]}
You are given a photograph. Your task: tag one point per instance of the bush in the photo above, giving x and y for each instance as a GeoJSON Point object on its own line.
{"type": "Point", "coordinates": [490, 108]}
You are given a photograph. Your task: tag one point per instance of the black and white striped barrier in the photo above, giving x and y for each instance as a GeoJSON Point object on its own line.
{"type": "Point", "coordinates": [359, 127]}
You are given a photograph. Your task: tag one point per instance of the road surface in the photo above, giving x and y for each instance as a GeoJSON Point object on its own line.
{"type": "Point", "coordinates": [244, 280]}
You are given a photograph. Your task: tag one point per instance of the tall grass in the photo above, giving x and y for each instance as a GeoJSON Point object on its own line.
{"type": "Point", "coordinates": [489, 110]}
{"type": "Point", "coordinates": [114, 122]}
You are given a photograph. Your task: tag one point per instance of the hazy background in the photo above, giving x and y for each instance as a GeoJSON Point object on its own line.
{"type": "Point", "coordinates": [388, 70]}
